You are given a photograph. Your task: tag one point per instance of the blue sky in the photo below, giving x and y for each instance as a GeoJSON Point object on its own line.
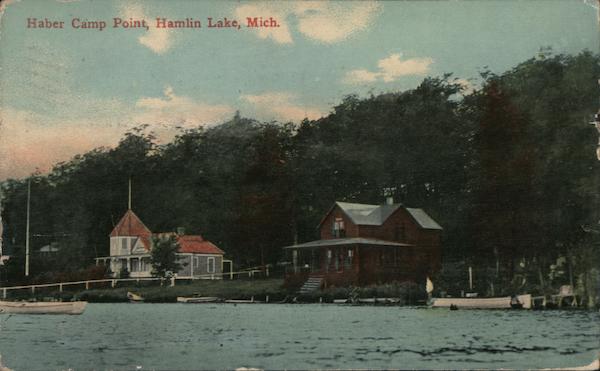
{"type": "Point", "coordinates": [65, 91]}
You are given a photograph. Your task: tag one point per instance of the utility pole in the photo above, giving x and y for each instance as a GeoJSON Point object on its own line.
{"type": "Point", "coordinates": [596, 121]}
{"type": "Point", "coordinates": [27, 229]}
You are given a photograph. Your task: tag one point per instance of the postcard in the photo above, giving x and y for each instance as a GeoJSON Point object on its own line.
{"type": "Point", "coordinates": [299, 184]}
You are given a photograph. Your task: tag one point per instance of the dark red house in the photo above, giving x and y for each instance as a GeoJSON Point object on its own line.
{"type": "Point", "coordinates": [364, 244]}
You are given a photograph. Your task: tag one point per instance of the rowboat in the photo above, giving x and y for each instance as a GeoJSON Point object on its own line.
{"type": "Point", "coordinates": [379, 300]}
{"type": "Point", "coordinates": [242, 301]}
{"type": "Point", "coordinates": [197, 299]}
{"type": "Point", "coordinates": [134, 298]}
{"type": "Point", "coordinates": [341, 301]}
{"type": "Point", "coordinates": [22, 307]}
{"type": "Point", "coordinates": [3, 368]}
{"type": "Point", "coordinates": [506, 302]}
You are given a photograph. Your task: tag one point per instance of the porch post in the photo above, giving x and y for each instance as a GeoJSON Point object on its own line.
{"type": "Point", "coordinates": [192, 265]}
{"type": "Point", "coordinates": [295, 260]}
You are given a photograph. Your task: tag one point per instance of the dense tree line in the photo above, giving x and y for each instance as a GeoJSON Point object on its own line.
{"type": "Point", "coordinates": [507, 169]}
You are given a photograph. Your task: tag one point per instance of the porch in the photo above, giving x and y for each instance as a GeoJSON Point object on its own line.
{"type": "Point", "coordinates": [138, 266]}
{"type": "Point", "coordinates": [352, 261]}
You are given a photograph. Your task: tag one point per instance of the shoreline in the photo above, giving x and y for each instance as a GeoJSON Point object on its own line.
{"type": "Point", "coordinates": [256, 291]}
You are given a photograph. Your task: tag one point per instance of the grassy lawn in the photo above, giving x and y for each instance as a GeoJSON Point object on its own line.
{"type": "Point", "coordinates": [225, 289]}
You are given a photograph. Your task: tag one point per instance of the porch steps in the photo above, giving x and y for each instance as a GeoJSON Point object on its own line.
{"type": "Point", "coordinates": [313, 283]}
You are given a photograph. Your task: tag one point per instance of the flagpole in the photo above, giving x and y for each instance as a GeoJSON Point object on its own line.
{"type": "Point", "coordinates": [27, 229]}
{"type": "Point", "coordinates": [129, 198]}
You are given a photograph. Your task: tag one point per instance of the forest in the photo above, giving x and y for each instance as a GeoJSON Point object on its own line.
{"type": "Point", "coordinates": [508, 168]}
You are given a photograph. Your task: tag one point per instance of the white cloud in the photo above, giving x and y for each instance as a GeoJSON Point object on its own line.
{"type": "Point", "coordinates": [159, 40]}
{"type": "Point", "coordinates": [331, 22]}
{"type": "Point", "coordinates": [326, 22]}
{"type": "Point", "coordinates": [390, 69]}
{"type": "Point", "coordinates": [393, 67]}
{"type": "Point", "coordinates": [468, 85]}
{"type": "Point", "coordinates": [180, 110]}
{"type": "Point", "coordinates": [281, 106]}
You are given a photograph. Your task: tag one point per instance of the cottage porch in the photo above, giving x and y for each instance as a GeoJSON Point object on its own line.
{"type": "Point", "coordinates": [346, 261]}
{"type": "Point", "coordinates": [137, 265]}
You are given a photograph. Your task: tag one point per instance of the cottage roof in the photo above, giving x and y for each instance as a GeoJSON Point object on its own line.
{"type": "Point", "coordinates": [347, 241]}
{"type": "Point", "coordinates": [365, 214]}
{"type": "Point", "coordinates": [197, 245]}
{"type": "Point", "coordinates": [424, 220]}
{"type": "Point", "coordinates": [131, 225]}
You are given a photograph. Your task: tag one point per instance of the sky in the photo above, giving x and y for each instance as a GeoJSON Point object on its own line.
{"type": "Point", "coordinates": [65, 91]}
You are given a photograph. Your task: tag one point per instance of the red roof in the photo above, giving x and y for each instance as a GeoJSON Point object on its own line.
{"type": "Point", "coordinates": [131, 225]}
{"type": "Point", "coordinates": [197, 245]}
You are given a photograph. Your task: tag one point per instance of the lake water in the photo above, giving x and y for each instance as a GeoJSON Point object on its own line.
{"type": "Point", "coordinates": [208, 336]}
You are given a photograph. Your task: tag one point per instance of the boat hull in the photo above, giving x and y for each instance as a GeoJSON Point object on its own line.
{"type": "Point", "coordinates": [197, 300]}
{"type": "Point", "coordinates": [134, 298]}
{"type": "Point", "coordinates": [74, 307]}
{"type": "Point", "coordinates": [482, 303]}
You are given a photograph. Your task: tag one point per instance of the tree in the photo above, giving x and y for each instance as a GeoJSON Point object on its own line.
{"type": "Point", "coordinates": [504, 196]}
{"type": "Point", "coordinates": [164, 257]}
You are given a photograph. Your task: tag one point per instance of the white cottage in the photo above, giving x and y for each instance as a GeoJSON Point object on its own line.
{"type": "Point", "coordinates": [131, 243]}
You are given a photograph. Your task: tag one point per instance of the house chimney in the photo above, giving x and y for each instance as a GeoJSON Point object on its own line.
{"type": "Point", "coordinates": [388, 193]}
{"type": "Point", "coordinates": [180, 231]}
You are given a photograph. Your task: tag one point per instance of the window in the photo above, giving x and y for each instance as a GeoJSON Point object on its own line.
{"type": "Point", "coordinates": [135, 265]}
{"type": "Point", "coordinates": [145, 264]}
{"type": "Point", "coordinates": [210, 265]}
{"type": "Point", "coordinates": [124, 243]}
{"type": "Point", "coordinates": [339, 229]}
{"type": "Point", "coordinates": [336, 261]}
{"type": "Point", "coordinates": [196, 262]}
{"type": "Point", "coordinates": [400, 232]}
{"type": "Point", "coordinates": [349, 256]}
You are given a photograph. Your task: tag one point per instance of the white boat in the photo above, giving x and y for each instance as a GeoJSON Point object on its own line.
{"type": "Point", "coordinates": [23, 307]}
{"type": "Point", "coordinates": [505, 302]}
{"type": "Point", "coordinates": [379, 300]}
{"type": "Point", "coordinates": [197, 299]}
{"type": "Point", "coordinates": [3, 368]}
{"type": "Point", "coordinates": [134, 298]}
{"type": "Point", "coordinates": [242, 301]}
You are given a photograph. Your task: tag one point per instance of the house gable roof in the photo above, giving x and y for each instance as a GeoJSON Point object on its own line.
{"type": "Point", "coordinates": [141, 246]}
{"type": "Point", "coordinates": [423, 219]}
{"type": "Point", "coordinates": [376, 215]}
{"type": "Point", "coordinates": [197, 245]}
{"type": "Point", "coordinates": [130, 225]}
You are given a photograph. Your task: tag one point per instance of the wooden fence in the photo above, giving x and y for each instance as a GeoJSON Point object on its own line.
{"type": "Point", "coordinates": [114, 281]}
